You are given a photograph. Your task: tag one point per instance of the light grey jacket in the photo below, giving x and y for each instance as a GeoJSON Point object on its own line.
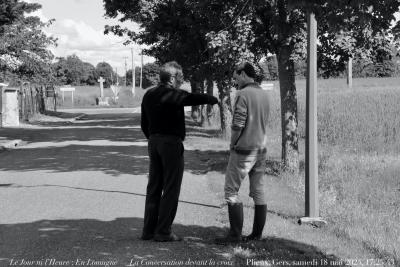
{"type": "Point", "coordinates": [250, 117]}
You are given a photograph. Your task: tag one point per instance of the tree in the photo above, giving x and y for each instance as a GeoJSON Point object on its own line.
{"type": "Point", "coordinates": [23, 44]}
{"type": "Point", "coordinates": [278, 27]}
{"type": "Point", "coordinates": [72, 70]}
{"type": "Point", "coordinates": [185, 31]}
{"type": "Point", "coordinates": [150, 75]}
{"type": "Point", "coordinates": [90, 75]}
{"type": "Point", "coordinates": [345, 28]}
{"type": "Point", "coordinates": [103, 69]}
{"type": "Point", "coordinates": [174, 30]}
{"type": "Point", "coordinates": [75, 70]}
{"type": "Point", "coordinates": [227, 47]}
{"type": "Point", "coordinates": [12, 11]}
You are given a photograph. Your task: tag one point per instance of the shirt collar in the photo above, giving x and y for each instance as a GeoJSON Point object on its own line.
{"type": "Point", "coordinates": [166, 85]}
{"type": "Point", "coordinates": [248, 84]}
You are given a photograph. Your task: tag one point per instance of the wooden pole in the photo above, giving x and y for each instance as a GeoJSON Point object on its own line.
{"type": "Point", "coordinates": [116, 73]}
{"type": "Point", "coordinates": [350, 73]}
{"type": "Point", "coordinates": [311, 160]}
{"type": "Point", "coordinates": [133, 74]}
{"type": "Point", "coordinates": [125, 72]}
{"type": "Point", "coordinates": [141, 70]}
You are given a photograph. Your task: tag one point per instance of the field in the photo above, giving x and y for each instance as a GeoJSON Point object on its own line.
{"type": "Point", "coordinates": [359, 163]}
{"type": "Point", "coordinates": [85, 97]}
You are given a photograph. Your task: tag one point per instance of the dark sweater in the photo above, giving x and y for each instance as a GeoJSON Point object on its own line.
{"type": "Point", "coordinates": [163, 110]}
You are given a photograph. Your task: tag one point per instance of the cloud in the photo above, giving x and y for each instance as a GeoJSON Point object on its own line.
{"type": "Point", "coordinates": [83, 34]}
{"type": "Point", "coordinates": [91, 45]}
{"type": "Point", "coordinates": [37, 13]}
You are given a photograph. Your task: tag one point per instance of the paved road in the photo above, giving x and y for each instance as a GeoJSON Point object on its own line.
{"type": "Point", "coordinates": [74, 196]}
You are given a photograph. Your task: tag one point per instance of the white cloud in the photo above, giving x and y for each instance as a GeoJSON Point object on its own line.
{"type": "Point", "coordinates": [37, 13]}
{"type": "Point", "coordinates": [84, 36]}
{"type": "Point", "coordinates": [92, 45]}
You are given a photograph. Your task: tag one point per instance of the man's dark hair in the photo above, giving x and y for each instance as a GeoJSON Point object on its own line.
{"type": "Point", "coordinates": [168, 70]}
{"type": "Point", "coordinates": [248, 68]}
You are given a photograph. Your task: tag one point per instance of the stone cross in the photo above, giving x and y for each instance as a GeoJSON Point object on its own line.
{"type": "Point", "coordinates": [101, 81]}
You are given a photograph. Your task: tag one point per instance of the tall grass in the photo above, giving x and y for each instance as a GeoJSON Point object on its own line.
{"type": "Point", "coordinates": [358, 133]}
{"type": "Point", "coordinates": [363, 118]}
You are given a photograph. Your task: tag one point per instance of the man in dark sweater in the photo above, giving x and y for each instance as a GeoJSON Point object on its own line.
{"type": "Point", "coordinates": [163, 124]}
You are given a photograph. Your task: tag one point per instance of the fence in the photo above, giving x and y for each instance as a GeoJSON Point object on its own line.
{"type": "Point", "coordinates": [35, 99]}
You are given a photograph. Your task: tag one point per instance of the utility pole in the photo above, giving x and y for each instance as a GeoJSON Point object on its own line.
{"type": "Point", "coordinates": [133, 74]}
{"type": "Point", "coordinates": [141, 70]}
{"type": "Point", "coordinates": [125, 70]}
{"type": "Point", "coordinates": [116, 73]}
{"type": "Point", "coordinates": [311, 160]}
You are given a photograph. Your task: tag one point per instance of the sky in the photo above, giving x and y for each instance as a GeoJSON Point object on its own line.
{"type": "Point", "coordinates": [79, 27]}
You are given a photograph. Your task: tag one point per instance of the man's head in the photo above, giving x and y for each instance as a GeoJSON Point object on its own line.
{"type": "Point", "coordinates": [244, 73]}
{"type": "Point", "coordinates": [171, 73]}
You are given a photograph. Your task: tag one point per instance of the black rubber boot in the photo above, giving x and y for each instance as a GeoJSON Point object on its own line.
{"type": "Point", "coordinates": [236, 223]}
{"type": "Point", "coordinates": [260, 214]}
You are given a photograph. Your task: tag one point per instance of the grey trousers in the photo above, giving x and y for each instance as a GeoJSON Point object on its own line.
{"type": "Point", "coordinates": [240, 166]}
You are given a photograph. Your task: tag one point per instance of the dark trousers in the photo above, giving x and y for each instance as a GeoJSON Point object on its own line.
{"type": "Point", "coordinates": [163, 188]}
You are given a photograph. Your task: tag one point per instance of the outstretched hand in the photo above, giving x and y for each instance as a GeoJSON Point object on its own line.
{"type": "Point", "coordinates": [214, 100]}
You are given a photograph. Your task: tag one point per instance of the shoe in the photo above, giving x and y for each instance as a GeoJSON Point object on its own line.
{"type": "Point", "coordinates": [235, 212]}
{"type": "Point", "coordinates": [147, 236]}
{"type": "Point", "coordinates": [260, 214]}
{"type": "Point", "coordinates": [169, 238]}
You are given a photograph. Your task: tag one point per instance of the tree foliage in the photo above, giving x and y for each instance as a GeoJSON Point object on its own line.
{"type": "Point", "coordinates": [72, 70]}
{"type": "Point", "coordinates": [214, 35]}
{"type": "Point", "coordinates": [12, 11]}
{"type": "Point", "coordinates": [103, 69]}
{"type": "Point", "coordinates": [150, 75]}
{"type": "Point", "coordinates": [190, 32]}
{"type": "Point", "coordinates": [345, 29]}
{"type": "Point", "coordinates": [24, 47]}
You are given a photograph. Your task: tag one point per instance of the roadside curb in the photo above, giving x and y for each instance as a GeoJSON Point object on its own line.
{"type": "Point", "coordinates": [10, 144]}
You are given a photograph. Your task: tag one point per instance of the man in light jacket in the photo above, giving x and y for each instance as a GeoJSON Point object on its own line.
{"type": "Point", "coordinates": [248, 149]}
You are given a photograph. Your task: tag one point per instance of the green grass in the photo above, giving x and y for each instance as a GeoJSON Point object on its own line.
{"type": "Point", "coordinates": [85, 97]}
{"type": "Point", "coordinates": [358, 133]}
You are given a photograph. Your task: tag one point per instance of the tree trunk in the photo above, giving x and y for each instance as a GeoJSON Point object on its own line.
{"type": "Point", "coordinates": [290, 143]}
{"type": "Point", "coordinates": [225, 107]}
{"type": "Point", "coordinates": [196, 87]}
{"type": "Point", "coordinates": [207, 111]}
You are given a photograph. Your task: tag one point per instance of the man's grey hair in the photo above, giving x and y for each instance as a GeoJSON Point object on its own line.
{"type": "Point", "coordinates": [168, 70]}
